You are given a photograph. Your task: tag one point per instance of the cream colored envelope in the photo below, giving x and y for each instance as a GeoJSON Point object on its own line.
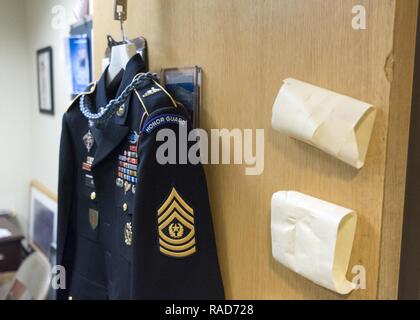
{"type": "Point", "coordinates": [314, 238]}
{"type": "Point", "coordinates": [337, 124]}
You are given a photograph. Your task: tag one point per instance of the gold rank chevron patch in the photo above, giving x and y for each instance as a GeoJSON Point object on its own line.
{"type": "Point", "coordinates": [176, 227]}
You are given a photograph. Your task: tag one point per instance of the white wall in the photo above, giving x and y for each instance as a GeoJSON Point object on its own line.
{"type": "Point", "coordinates": [15, 109]}
{"type": "Point", "coordinates": [29, 141]}
{"type": "Point", "coordinates": [45, 130]}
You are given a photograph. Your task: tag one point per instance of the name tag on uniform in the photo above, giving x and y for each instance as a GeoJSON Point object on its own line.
{"type": "Point", "coordinates": [89, 182]}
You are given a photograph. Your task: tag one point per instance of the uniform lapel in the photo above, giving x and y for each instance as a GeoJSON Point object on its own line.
{"type": "Point", "coordinates": [109, 138]}
{"type": "Point", "coordinates": [113, 134]}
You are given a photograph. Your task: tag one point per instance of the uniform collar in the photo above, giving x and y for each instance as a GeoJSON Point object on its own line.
{"type": "Point", "coordinates": [116, 130]}
{"type": "Point", "coordinates": [134, 66]}
{"type": "Point", "coordinates": [105, 92]}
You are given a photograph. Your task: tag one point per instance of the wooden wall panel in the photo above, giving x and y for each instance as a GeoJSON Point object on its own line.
{"type": "Point", "coordinates": [246, 48]}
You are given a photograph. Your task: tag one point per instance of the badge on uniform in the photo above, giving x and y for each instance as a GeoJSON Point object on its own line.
{"type": "Point", "coordinates": [127, 186]}
{"type": "Point", "coordinates": [128, 234]}
{"type": "Point", "coordinates": [119, 182]}
{"type": "Point", "coordinates": [176, 227]}
{"type": "Point", "coordinates": [89, 182]}
{"type": "Point", "coordinates": [93, 218]}
{"type": "Point", "coordinates": [133, 137]}
{"type": "Point", "coordinates": [88, 140]}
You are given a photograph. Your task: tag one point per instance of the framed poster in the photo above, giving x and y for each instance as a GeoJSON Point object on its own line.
{"type": "Point", "coordinates": [45, 80]}
{"type": "Point", "coordinates": [80, 63]}
{"type": "Point", "coordinates": [43, 220]}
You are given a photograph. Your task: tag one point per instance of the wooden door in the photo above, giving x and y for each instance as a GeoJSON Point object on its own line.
{"type": "Point", "coordinates": [246, 48]}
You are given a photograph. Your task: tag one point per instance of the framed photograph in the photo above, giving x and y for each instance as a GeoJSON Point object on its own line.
{"type": "Point", "coordinates": [45, 80]}
{"type": "Point", "coordinates": [43, 220]}
{"type": "Point", "coordinates": [80, 63]}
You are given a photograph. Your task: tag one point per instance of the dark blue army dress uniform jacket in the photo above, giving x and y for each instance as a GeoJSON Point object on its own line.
{"type": "Point", "coordinates": [129, 227]}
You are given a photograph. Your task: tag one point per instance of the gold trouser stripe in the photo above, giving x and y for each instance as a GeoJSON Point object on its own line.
{"type": "Point", "coordinates": [178, 254]}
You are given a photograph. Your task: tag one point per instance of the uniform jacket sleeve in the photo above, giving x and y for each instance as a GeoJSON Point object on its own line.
{"type": "Point", "coordinates": [174, 249]}
{"type": "Point", "coordinates": [65, 196]}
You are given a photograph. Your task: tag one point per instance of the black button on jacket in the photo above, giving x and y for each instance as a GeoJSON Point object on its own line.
{"type": "Point", "coordinates": [129, 227]}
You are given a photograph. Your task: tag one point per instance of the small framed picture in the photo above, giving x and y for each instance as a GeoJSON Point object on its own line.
{"type": "Point", "coordinates": [45, 80]}
{"type": "Point", "coordinates": [80, 63]}
{"type": "Point", "coordinates": [43, 220]}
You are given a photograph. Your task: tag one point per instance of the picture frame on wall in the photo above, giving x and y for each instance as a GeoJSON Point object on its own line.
{"type": "Point", "coordinates": [45, 80]}
{"type": "Point", "coordinates": [42, 231]}
{"type": "Point", "coordinates": [80, 58]}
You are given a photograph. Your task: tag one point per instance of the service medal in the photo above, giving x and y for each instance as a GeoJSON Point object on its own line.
{"type": "Point", "coordinates": [127, 186]}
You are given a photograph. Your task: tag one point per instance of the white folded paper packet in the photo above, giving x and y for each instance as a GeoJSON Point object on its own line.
{"type": "Point", "coordinates": [4, 233]}
{"type": "Point", "coordinates": [314, 238]}
{"type": "Point", "coordinates": [337, 124]}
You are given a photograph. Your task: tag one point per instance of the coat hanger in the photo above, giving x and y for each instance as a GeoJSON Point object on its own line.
{"type": "Point", "coordinates": [122, 51]}
{"type": "Point", "coordinates": [139, 42]}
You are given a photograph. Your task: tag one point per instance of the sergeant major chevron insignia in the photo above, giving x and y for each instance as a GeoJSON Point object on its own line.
{"type": "Point", "coordinates": [176, 227]}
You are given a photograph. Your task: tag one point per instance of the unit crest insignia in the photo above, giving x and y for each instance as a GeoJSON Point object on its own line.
{"type": "Point", "coordinates": [93, 218]}
{"type": "Point", "coordinates": [176, 227]}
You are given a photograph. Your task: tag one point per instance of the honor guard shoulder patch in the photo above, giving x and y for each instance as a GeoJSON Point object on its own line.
{"type": "Point", "coordinates": [176, 227]}
{"type": "Point", "coordinates": [157, 122]}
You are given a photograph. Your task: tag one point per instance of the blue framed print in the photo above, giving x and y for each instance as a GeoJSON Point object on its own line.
{"type": "Point", "coordinates": [79, 47]}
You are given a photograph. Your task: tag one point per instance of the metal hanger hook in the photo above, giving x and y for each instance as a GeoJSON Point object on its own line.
{"type": "Point", "coordinates": [123, 36]}
{"type": "Point", "coordinates": [120, 14]}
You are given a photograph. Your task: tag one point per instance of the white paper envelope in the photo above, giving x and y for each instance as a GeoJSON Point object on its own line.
{"type": "Point", "coordinates": [314, 238]}
{"type": "Point", "coordinates": [337, 124]}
